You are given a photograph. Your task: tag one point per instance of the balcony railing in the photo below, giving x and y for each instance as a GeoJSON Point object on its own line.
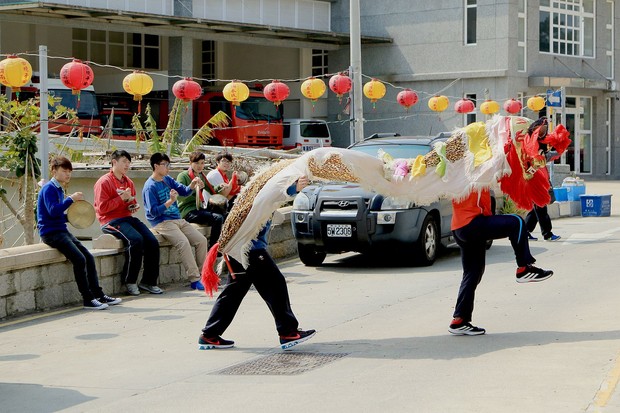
{"type": "Point", "coordinates": [297, 14]}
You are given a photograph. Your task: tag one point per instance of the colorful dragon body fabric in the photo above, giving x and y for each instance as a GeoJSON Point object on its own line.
{"type": "Point", "coordinates": [506, 150]}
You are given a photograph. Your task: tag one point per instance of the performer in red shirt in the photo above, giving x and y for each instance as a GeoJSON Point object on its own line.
{"type": "Point", "coordinates": [473, 223]}
{"type": "Point", "coordinates": [218, 178]}
{"type": "Point", "coordinates": [115, 204]}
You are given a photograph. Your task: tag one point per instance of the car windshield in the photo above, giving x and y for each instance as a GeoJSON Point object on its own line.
{"type": "Point", "coordinates": [85, 106]}
{"type": "Point", "coordinates": [397, 150]}
{"type": "Point", "coordinates": [313, 130]}
{"type": "Point", "coordinates": [257, 108]}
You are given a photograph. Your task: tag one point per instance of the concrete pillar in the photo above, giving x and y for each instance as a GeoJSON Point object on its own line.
{"type": "Point", "coordinates": [180, 64]}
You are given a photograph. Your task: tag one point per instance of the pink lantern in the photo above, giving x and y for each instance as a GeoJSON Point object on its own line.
{"type": "Point", "coordinates": [407, 98]}
{"type": "Point", "coordinates": [76, 76]}
{"type": "Point", "coordinates": [340, 84]}
{"type": "Point", "coordinates": [464, 106]}
{"type": "Point", "coordinates": [187, 90]}
{"type": "Point", "coordinates": [512, 106]}
{"type": "Point", "coordinates": [276, 92]}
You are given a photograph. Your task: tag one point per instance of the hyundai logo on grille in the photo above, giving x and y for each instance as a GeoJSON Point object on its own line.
{"type": "Point", "coordinates": [343, 204]}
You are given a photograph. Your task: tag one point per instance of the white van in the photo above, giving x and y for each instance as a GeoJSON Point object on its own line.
{"type": "Point", "coordinates": [306, 134]}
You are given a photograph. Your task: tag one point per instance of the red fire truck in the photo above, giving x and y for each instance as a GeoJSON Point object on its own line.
{"type": "Point", "coordinates": [85, 105]}
{"type": "Point", "coordinates": [255, 123]}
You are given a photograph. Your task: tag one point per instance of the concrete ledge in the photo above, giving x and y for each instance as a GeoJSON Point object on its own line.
{"type": "Point", "coordinates": [38, 277]}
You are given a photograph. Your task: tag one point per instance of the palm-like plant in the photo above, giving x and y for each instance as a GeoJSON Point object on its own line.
{"type": "Point", "coordinates": [204, 136]}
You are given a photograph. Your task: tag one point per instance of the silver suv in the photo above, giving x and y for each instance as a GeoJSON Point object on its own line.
{"type": "Point", "coordinates": [339, 217]}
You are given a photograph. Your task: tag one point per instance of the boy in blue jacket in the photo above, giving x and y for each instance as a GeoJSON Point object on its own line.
{"type": "Point", "coordinates": [159, 195]}
{"type": "Point", "coordinates": [52, 205]}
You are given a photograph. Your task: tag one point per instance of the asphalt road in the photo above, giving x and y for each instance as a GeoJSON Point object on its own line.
{"type": "Point", "coordinates": [382, 342]}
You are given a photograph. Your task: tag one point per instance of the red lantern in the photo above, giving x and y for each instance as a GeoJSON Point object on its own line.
{"type": "Point", "coordinates": [407, 98]}
{"type": "Point", "coordinates": [186, 89]}
{"type": "Point", "coordinates": [512, 106]}
{"type": "Point", "coordinates": [276, 92]}
{"type": "Point", "coordinates": [464, 106]}
{"type": "Point", "coordinates": [340, 84]}
{"type": "Point", "coordinates": [76, 76]}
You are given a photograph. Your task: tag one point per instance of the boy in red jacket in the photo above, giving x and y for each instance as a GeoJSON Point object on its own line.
{"type": "Point", "coordinates": [115, 203]}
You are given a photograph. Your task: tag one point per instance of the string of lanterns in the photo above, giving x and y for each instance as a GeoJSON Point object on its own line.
{"type": "Point", "coordinates": [15, 72]}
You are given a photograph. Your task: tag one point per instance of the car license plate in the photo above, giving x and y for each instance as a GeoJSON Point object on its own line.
{"type": "Point", "coordinates": [307, 148]}
{"type": "Point", "coordinates": [338, 230]}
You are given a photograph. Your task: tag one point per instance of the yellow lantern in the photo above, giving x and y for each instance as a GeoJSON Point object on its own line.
{"type": "Point", "coordinates": [374, 90]}
{"type": "Point", "coordinates": [313, 88]}
{"type": "Point", "coordinates": [489, 107]}
{"type": "Point", "coordinates": [236, 92]}
{"type": "Point", "coordinates": [137, 84]}
{"type": "Point", "coordinates": [15, 72]}
{"type": "Point", "coordinates": [536, 103]}
{"type": "Point", "coordinates": [438, 103]}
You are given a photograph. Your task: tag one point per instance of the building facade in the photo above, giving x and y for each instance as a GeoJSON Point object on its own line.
{"type": "Point", "coordinates": [489, 49]}
{"type": "Point", "coordinates": [479, 49]}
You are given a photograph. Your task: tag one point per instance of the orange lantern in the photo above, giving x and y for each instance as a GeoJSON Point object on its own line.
{"type": "Point", "coordinates": [407, 98]}
{"type": "Point", "coordinates": [464, 106]}
{"type": "Point", "coordinates": [276, 92]}
{"type": "Point", "coordinates": [340, 84]}
{"type": "Point", "coordinates": [438, 103]}
{"type": "Point", "coordinates": [76, 76]}
{"type": "Point", "coordinates": [489, 107]}
{"type": "Point", "coordinates": [15, 72]}
{"type": "Point", "coordinates": [513, 106]}
{"type": "Point", "coordinates": [138, 84]}
{"type": "Point", "coordinates": [313, 88]}
{"type": "Point", "coordinates": [536, 103]}
{"type": "Point", "coordinates": [374, 90]}
{"type": "Point", "coordinates": [186, 89]}
{"type": "Point", "coordinates": [236, 92]}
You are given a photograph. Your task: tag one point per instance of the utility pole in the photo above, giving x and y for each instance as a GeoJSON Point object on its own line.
{"type": "Point", "coordinates": [357, 112]}
{"type": "Point", "coordinates": [43, 112]}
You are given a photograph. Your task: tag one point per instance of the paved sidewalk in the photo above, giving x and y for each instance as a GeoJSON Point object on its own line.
{"type": "Point", "coordinates": [381, 337]}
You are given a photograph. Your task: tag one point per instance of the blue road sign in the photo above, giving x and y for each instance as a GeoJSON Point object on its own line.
{"type": "Point", "coordinates": [554, 98]}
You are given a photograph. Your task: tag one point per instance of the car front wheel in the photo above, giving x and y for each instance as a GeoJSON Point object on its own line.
{"type": "Point", "coordinates": [310, 256]}
{"type": "Point", "coordinates": [425, 249]}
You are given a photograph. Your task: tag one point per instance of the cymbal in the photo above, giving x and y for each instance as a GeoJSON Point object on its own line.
{"type": "Point", "coordinates": [242, 177]}
{"type": "Point", "coordinates": [81, 214]}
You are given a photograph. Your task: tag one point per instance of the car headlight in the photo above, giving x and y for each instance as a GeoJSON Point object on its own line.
{"type": "Point", "coordinates": [301, 202]}
{"type": "Point", "coordinates": [392, 203]}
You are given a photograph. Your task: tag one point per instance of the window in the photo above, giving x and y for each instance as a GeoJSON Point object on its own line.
{"type": "Point", "coordinates": [208, 59]}
{"type": "Point", "coordinates": [471, 117]}
{"type": "Point", "coordinates": [522, 39]}
{"type": "Point", "coordinates": [567, 27]}
{"type": "Point", "coordinates": [471, 18]}
{"type": "Point", "coordinates": [319, 62]}
{"type": "Point", "coordinates": [135, 50]}
{"type": "Point", "coordinates": [608, 120]}
{"type": "Point", "coordinates": [608, 39]}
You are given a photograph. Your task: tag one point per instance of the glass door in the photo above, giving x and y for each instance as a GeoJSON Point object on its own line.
{"type": "Point", "coordinates": [577, 118]}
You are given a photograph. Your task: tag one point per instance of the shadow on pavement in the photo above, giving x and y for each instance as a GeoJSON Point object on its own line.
{"type": "Point", "coordinates": [41, 399]}
{"type": "Point", "coordinates": [447, 347]}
